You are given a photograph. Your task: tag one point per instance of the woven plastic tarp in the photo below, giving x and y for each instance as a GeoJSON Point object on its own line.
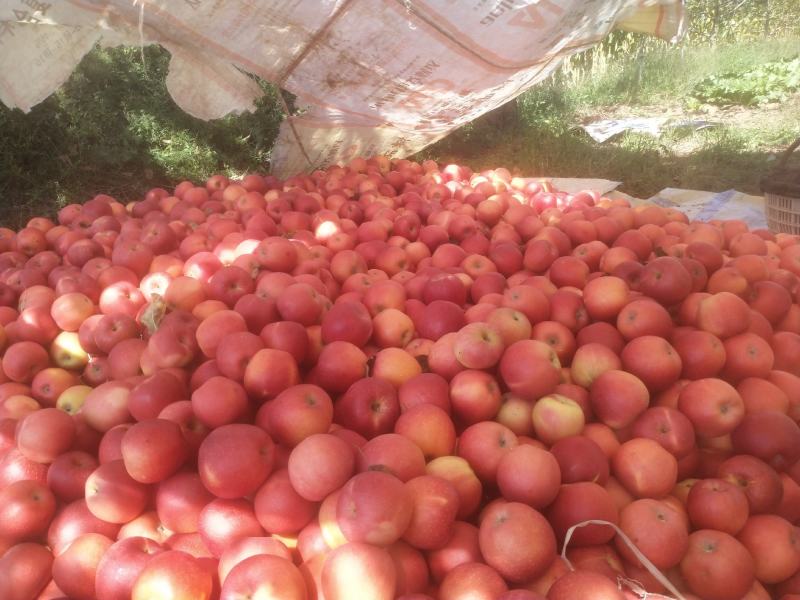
{"type": "Point", "coordinates": [373, 76]}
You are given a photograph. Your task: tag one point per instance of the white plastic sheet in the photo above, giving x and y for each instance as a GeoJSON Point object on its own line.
{"type": "Point", "coordinates": [375, 76]}
{"type": "Point", "coordinates": [706, 206]}
{"type": "Point", "coordinates": [604, 130]}
{"type": "Point", "coordinates": [701, 205]}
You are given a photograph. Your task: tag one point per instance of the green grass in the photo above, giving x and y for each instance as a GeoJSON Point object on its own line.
{"type": "Point", "coordinates": [548, 142]}
{"type": "Point", "coordinates": [647, 71]}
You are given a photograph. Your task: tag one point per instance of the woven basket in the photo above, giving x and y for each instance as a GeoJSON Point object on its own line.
{"type": "Point", "coordinates": [782, 195]}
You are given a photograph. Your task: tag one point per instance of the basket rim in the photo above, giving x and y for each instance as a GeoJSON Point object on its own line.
{"type": "Point", "coordinates": [768, 196]}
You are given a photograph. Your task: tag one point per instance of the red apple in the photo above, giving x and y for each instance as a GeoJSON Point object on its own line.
{"type": "Point", "coordinates": [319, 465]}
{"type": "Point", "coordinates": [530, 369]}
{"type": "Point", "coordinates": [474, 396]}
{"type": "Point", "coordinates": [702, 354]}
{"type": "Point", "coordinates": [244, 548]}
{"type": "Point", "coordinates": [215, 327]}
{"type": "Point", "coordinates": [483, 445]}
{"type": "Point", "coordinates": [279, 508]}
{"type": "Point", "coordinates": [296, 413]}
{"type": "Point", "coordinates": [72, 521]}
{"type": "Point", "coordinates": [235, 351]}
{"type": "Point", "coordinates": [760, 395]}
{"type": "Point", "coordinates": [558, 337]}
{"type": "Point", "coordinates": [516, 480]}
{"type": "Point", "coordinates": [584, 584]}
{"type": "Point", "coordinates": [601, 333]}
{"type": "Point", "coordinates": [106, 406]}
{"type": "Point", "coordinates": [180, 499]}
{"type": "Point", "coordinates": [223, 522]}
{"type": "Point", "coordinates": [771, 436]}
{"type": "Point", "coordinates": [371, 566]}
{"type": "Point", "coordinates": [591, 361]}
{"type": "Point", "coordinates": [512, 325]}
{"type": "Point", "coordinates": [462, 547]}
{"type": "Point", "coordinates": [478, 346]}
{"type": "Point", "coordinates": [393, 453]}
{"type": "Point", "coordinates": [580, 459]}
{"type": "Point", "coordinates": [26, 509]}
{"type": "Point", "coordinates": [153, 449]}
{"type": "Point", "coordinates": [173, 575]}
{"type": "Point", "coordinates": [121, 565]}
{"type": "Point", "coordinates": [717, 504]}
{"type": "Point", "coordinates": [412, 570]}
{"type": "Point", "coordinates": [395, 365]}
{"type": "Point", "coordinates": [234, 460]}
{"type": "Point", "coordinates": [472, 580]}
{"type": "Point", "coordinates": [657, 530]}
{"type": "Point", "coordinates": [759, 482]}
{"type": "Point", "coordinates": [68, 473]}
{"type": "Point", "coordinates": [430, 428]}
{"type": "Point", "coordinates": [374, 507]}
{"type": "Point", "coordinates": [264, 575]}
{"type": "Point", "coordinates": [219, 401]}
{"type": "Point", "coordinates": [23, 360]}
{"type": "Point", "coordinates": [50, 383]}
{"type": "Point", "coordinates": [516, 414]}
{"type": "Point", "coordinates": [113, 495]}
{"type": "Point", "coordinates": [653, 360]}
{"type": "Point", "coordinates": [556, 417]}
{"type": "Point", "coordinates": [605, 297]}
{"type": "Point", "coordinates": [747, 355]}
{"type": "Point", "coordinates": [147, 399]}
{"type": "Point", "coordinates": [724, 314]}
{"type": "Point", "coordinates": [458, 472]}
{"type": "Point", "coordinates": [717, 566]}
{"type": "Point", "coordinates": [28, 569]}
{"type": "Point", "coordinates": [601, 559]}
{"type": "Point", "coordinates": [517, 541]}
{"type": "Point", "coordinates": [425, 388]}
{"type": "Point", "coordinates": [667, 426]}
{"type": "Point", "coordinates": [435, 503]}
{"type": "Point", "coordinates": [75, 569]}
{"type": "Point", "coordinates": [618, 398]}
{"type": "Point", "coordinates": [290, 337]}
{"type": "Point", "coordinates": [569, 310]}
{"type": "Point", "coordinates": [578, 502]}
{"type": "Point", "coordinates": [269, 372]}
{"type": "Point", "coordinates": [713, 406]}
{"type": "Point", "coordinates": [369, 407]}
{"type": "Point", "coordinates": [392, 328]}
{"type": "Point", "coordinates": [666, 280]}
{"type": "Point", "coordinates": [348, 322]}
{"type": "Point", "coordinates": [45, 434]}
{"type": "Point", "coordinates": [645, 468]}
{"type": "Point", "coordinates": [437, 318]}
{"type": "Point", "coordinates": [340, 365]}
{"type": "Point", "coordinates": [773, 543]}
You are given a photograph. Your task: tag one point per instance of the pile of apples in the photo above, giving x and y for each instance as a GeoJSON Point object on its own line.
{"type": "Point", "coordinates": [394, 380]}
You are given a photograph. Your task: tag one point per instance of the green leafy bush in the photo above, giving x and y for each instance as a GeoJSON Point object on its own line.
{"type": "Point", "coordinates": [770, 82]}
